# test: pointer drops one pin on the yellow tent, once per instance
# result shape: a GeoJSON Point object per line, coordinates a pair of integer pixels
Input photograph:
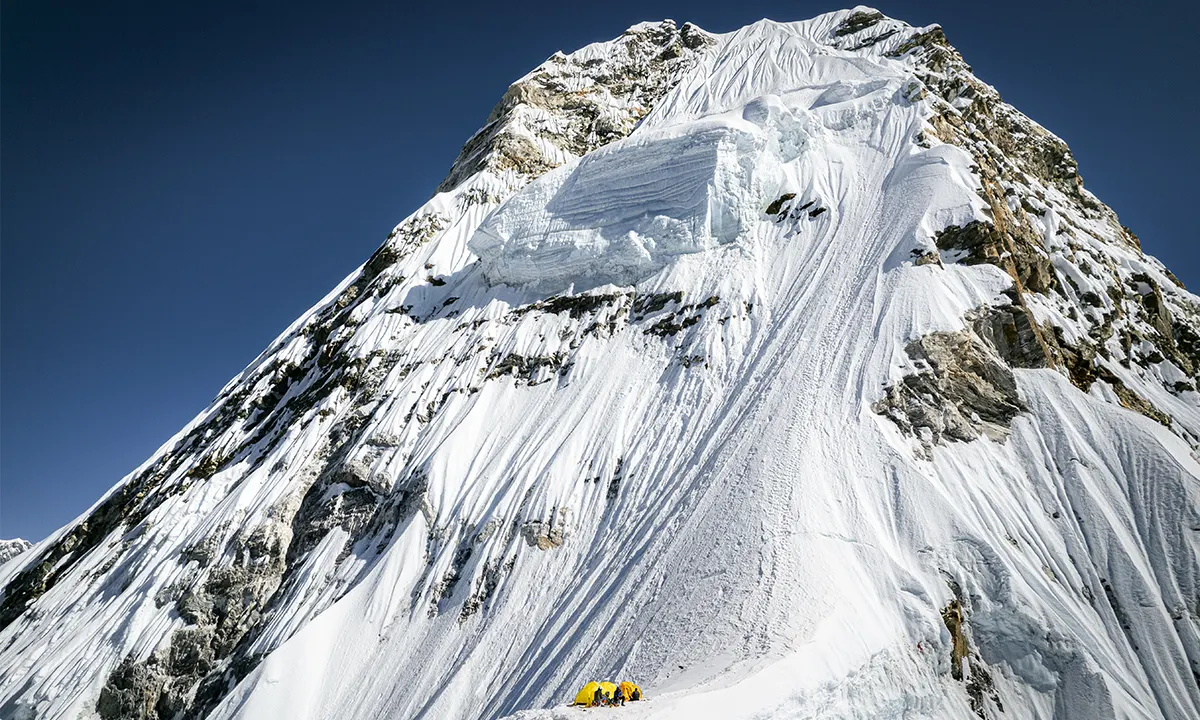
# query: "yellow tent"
{"type": "Point", "coordinates": [588, 694]}
{"type": "Point", "coordinates": [593, 691]}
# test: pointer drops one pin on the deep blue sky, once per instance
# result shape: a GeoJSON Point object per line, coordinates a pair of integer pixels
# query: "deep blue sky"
{"type": "Point", "coordinates": [181, 180]}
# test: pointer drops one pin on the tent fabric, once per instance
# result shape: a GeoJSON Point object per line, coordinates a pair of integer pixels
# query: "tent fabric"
{"type": "Point", "coordinates": [588, 694]}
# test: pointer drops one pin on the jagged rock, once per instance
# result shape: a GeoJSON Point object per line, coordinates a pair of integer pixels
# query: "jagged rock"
{"type": "Point", "coordinates": [931, 39]}
{"type": "Point", "coordinates": [191, 651]}
{"type": "Point", "coordinates": [132, 690]}
{"type": "Point", "coordinates": [1151, 298]}
{"type": "Point", "coordinates": [1187, 340]}
{"type": "Point", "coordinates": [979, 242]}
{"type": "Point", "coordinates": [174, 698]}
{"type": "Point", "coordinates": [952, 616]}
{"type": "Point", "coordinates": [485, 586]}
{"type": "Point", "coordinates": [1013, 334]}
{"type": "Point", "coordinates": [965, 663]}
{"type": "Point", "coordinates": [331, 438]}
{"type": "Point", "coordinates": [576, 306]}
{"type": "Point", "coordinates": [444, 588]}
{"type": "Point", "coordinates": [539, 535]}
{"type": "Point", "coordinates": [9, 549]}
{"type": "Point", "coordinates": [1129, 398]}
{"type": "Point", "coordinates": [618, 92]}
{"type": "Point", "coordinates": [654, 302]}
{"type": "Point", "coordinates": [776, 206]}
{"type": "Point", "coordinates": [931, 257]}
{"type": "Point", "coordinates": [858, 21]}
{"type": "Point", "coordinates": [547, 534]}
{"type": "Point", "coordinates": [196, 607]}
{"type": "Point", "coordinates": [531, 370]}
{"type": "Point", "coordinates": [520, 154]}
{"type": "Point", "coordinates": [963, 390]}
{"type": "Point", "coordinates": [694, 38]}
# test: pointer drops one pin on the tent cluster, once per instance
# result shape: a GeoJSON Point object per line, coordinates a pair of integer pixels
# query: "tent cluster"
{"type": "Point", "coordinates": [607, 693]}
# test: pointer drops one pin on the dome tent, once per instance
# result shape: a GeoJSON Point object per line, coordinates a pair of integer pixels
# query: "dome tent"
{"type": "Point", "coordinates": [607, 690]}
{"type": "Point", "coordinates": [587, 695]}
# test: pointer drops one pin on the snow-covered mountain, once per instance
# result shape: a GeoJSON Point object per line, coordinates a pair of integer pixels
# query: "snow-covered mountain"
{"type": "Point", "coordinates": [9, 549]}
{"type": "Point", "coordinates": [789, 373]}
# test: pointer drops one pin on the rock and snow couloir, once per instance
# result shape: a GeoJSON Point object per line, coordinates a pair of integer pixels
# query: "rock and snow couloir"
{"type": "Point", "coordinates": [788, 371]}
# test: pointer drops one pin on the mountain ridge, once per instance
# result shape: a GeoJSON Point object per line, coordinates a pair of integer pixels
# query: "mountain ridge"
{"type": "Point", "coordinates": [429, 450]}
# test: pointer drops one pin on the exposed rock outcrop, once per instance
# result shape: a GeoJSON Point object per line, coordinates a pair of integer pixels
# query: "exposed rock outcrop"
{"type": "Point", "coordinates": [460, 437]}
{"type": "Point", "coordinates": [961, 391]}
{"type": "Point", "coordinates": [966, 665]}
{"type": "Point", "coordinates": [9, 549]}
{"type": "Point", "coordinates": [550, 533]}
{"type": "Point", "coordinates": [1104, 318]}
{"type": "Point", "coordinates": [571, 105]}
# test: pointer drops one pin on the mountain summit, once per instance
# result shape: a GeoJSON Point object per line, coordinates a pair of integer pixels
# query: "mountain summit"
{"type": "Point", "coordinates": [789, 373]}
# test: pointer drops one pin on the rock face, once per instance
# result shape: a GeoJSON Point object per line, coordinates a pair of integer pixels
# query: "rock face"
{"type": "Point", "coordinates": [9, 549]}
{"type": "Point", "coordinates": [1104, 318]}
{"type": "Point", "coordinates": [573, 104]}
{"type": "Point", "coordinates": [860, 402]}
{"type": "Point", "coordinates": [964, 390]}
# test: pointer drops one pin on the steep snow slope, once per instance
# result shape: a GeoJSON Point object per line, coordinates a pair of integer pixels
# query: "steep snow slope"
{"type": "Point", "coordinates": [827, 391]}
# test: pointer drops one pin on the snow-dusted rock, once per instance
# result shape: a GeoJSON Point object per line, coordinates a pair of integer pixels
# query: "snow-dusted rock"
{"type": "Point", "coordinates": [789, 372]}
{"type": "Point", "coordinates": [9, 549]}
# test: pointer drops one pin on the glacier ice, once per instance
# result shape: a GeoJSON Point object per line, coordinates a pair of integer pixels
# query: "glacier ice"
{"type": "Point", "coordinates": [625, 210]}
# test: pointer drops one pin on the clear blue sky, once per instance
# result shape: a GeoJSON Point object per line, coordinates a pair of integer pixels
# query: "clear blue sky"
{"type": "Point", "coordinates": [181, 180]}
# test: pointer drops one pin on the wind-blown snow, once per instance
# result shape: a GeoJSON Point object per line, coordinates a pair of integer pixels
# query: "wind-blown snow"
{"type": "Point", "coordinates": [626, 210]}
{"type": "Point", "coordinates": [703, 166]}
{"type": "Point", "coordinates": [676, 477]}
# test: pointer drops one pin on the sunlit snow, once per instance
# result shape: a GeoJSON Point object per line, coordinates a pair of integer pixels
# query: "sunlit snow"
{"type": "Point", "coordinates": [676, 478]}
